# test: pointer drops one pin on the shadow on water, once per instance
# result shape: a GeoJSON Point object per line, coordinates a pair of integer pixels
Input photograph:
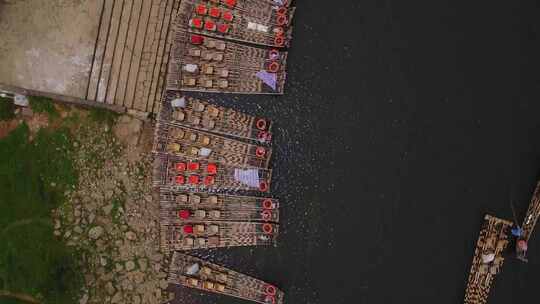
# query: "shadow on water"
{"type": "Point", "coordinates": [401, 126]}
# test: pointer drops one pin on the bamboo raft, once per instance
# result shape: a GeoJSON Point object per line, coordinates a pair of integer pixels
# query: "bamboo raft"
{"type": "Point", "coordinates": [195, 273]}
{"type": "Point", "coordinates": [533, 212]}
{"type": "Point", "coordinates": [207, 234]}
{"type": "Point", "coordinates": [179, 207]}
{"type": "Point", "coordinates": [205, 64]}
{"type": "Point", "coordinates": [493, 239]}
{"type": "Point", "coordinates": [261, 24]}
{"type": "Point", "coordinates": [177, 173]}
{"type": "Point", "coordinates": [185, 142]}
{"type": "Point", "coordinates": [199, 114]}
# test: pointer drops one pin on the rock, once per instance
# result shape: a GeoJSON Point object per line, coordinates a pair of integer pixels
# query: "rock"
{"type": "Point", "coordinates": [119, 267]}
{"type": "Point", "coordinates": [143, 264]}
{"type": "Point", "coordinates": [100, 245]}
{"type": "Point", "coordinates": [136, 299]}
{"type": "Point", "coordinates": [57, 233]}
{"type": "Point", "coordinates": [138, 277]}
{"type": "Point", "coordinates": [78, 230]}
{"type": "Point", "coordinates": [163, 284]}
{"type": "Point", "coordinates": [67, 234]}
{"type": "Point", "coordinates": [138, 114]}
{"type": "Point", "coordinates": [95, 233]}
{"type": "Point", "coordinates": [130, 265]}
{"type": "Point", "coordinates": [127, 284]}
{"type": "Point", "coordinates": [77, 213]}
{"type": "Point", "coordinates": [57, 224]}
{"type": "Point", "coordinates": [107, 209]}
{"type": "Point", "coordinates": [109, 194]}
{"type": "Point", "coordinates": [84, 299]}
{"type": "Point", "coordinates": [103, 261]}
{"type": "Point", "coordinates": [130, 235]}
{"type": "Point", "coordinates": [117, 298]}
{"type": "Point", "coordinates": [91, 218]}
{"type": "Point", "coordinates": [110, 288]}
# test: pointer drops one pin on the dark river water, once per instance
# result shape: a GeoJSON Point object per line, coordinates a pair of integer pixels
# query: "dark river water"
{"type": "Point", "coordinates": [403, 123]}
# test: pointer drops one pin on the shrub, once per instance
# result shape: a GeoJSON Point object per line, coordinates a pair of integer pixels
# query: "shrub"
{"type": "Point", "coordinates": [103, 116]}
{"type": "Point", "coordinates": [7, 109]}
{"type": "Point", "coordinates": [40, 104]}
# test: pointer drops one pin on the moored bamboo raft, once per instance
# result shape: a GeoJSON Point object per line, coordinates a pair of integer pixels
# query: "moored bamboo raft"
{"type": "Point", "coordinates": [231, 67]}
{"type": "Point", "coordinates": [223, 54]}
{"type": "Point", "coordinates": [207, 234]}
{"type": "Point", "coordinates": [533, 212]}
{"type": "Point", "coordinates": [178, 109]}
{"type": "Point", "coordinates": [273, 29]}
{"type": "Point", "coordinates": [227, 11]}
{"type": "Point", "coordinates": [195, 273]}
{"type": "Point", "coordinates": [173, 172]}
{"type": "Point", "coordinates": [195, 144]}
{"type": "Point", "coordinates": [182, 207]}
{"type": "Point", "coordinates": [493, 240]}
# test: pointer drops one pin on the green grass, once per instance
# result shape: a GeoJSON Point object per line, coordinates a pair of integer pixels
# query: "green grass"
{"type": "Point", "coordinates": [103, 116]}
{"type": "Point", "coordinates": [7, 109]}
{"type": "Point", "coordinates": [40, 104]}
{"type": "Point", "coordinates": [33, 179]}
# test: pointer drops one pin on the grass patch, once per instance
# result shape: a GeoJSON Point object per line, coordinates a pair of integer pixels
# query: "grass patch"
{"type": "Point", "coordinates": [33, 179]}
{"type": "Point", "coordinates": [117, 205]}
{"type": "Point", "coordinates": [7, 109]}
{"type": "Point", "coordinates": [40, 104]}
{"type": "Point", "coordinates": [103, 116]}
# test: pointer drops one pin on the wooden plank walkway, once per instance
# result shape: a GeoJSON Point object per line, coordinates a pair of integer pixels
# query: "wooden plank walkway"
{"type": "Point", "coordinates": [131, 53]}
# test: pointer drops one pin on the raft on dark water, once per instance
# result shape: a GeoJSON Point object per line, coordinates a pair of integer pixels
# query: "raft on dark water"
{"type": "Point", "coordinates": [195, 273]}
{"type": "Point", "coordinates": [180, 207]}
{"type": "Point", "coordinates": [194, 234]}
{"type": "Point", "coordinates": [200, 63]}
{"type": "Point", "coordinates": [533, 212]}
{"type": "Point", "coordinates": [257, 22]}
{"type": "Point", "coordinates": [488, 259]}
{"type": "Point", "coordinates": [185, 142]}
{"type": "Point", "coordinates": [178, 173]}
{"type": "Point", "coordinates": [180, 110]}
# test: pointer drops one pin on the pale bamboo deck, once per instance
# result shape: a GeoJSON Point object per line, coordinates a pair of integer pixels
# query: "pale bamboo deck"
{"type": "Point", "coordinates": [493, 236]}
{"type": "Point", "coordinates": [212, 277]}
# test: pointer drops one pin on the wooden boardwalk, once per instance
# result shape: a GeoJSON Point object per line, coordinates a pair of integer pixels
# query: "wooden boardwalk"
{"type": "Point", "coordinates": [131, 53]}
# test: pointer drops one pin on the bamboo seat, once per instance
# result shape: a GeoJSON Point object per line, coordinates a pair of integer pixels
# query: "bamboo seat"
{"type": "Point", "coordinates": [212, 111]}
{"type": "Point", "coordinates": [200, 213]}
{"type": "Point", "coordinates": [215, 214]}
{"type": "Point", "coordinates": [213, 199]}
{"type": "Point", "coordinates": [206, 271]}
{"type": "Point", "coordinates": [179, 115]}
{"type": "Point", "coordinates": [194, 52]}
{"type": "Point", "coordinates": [220, 287]}
{"type": "Point", "coordinates": [194, 199]}
{"type": "Point", "coordinates": [182, 198]}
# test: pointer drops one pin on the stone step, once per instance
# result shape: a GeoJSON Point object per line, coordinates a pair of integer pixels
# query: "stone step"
{"type": "Point", "coordinates": [132, 50]}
